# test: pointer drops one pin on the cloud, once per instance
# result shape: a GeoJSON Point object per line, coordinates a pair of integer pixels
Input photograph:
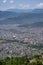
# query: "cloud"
{"type": "Point", "coordinates": [4, 1]}
{"type": "Point", "coordinates": [20, 6]}
{"type": "Point", "coordinates": [11, 1]}
{"type": "Point", "coordinates": [24, 6]}
{"type": "Point", "coordinates": [12, 6]}
{"type": "Point", "coordinates": [40, 5]}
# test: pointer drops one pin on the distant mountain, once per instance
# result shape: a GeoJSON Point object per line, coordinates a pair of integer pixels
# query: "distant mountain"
{"type": "Point", "coordinates": [24, 18]}
{"type": "Point", "coordinates": [37, 11]}
{"type": "Point", "coordinates": [16, 12]}
{"type": "Point", "coordinates": [18, 16]}
{"type": "Point", "coordinates": [26, 10]}
{"type": "Point", "coordinates": [7, 14]}
{"type": "Point", "coordinates": [20, 10]}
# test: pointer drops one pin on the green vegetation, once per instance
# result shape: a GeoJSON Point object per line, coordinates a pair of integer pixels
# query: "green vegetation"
{"type": "Point", "coordinates": [21, 61]}
{"type": "Point", "coordinates": [8, 41]}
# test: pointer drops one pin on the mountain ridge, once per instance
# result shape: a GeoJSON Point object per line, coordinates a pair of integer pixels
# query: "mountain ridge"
{"type": "Point", "coordinates": [26, 18]}
{"type": "Point", "coordinates": [7, 17]}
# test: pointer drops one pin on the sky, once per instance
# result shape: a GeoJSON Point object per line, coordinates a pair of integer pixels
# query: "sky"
{"type": "Point", "coordinates": [20, 4]}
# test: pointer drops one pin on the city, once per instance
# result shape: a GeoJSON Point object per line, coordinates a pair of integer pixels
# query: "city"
{"type": "Point", "coordinates": [19, 41]}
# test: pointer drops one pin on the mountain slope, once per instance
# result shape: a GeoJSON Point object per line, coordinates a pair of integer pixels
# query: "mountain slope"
{"type": "Point", "coordinates": [7, 14]}
{"type": "Point", "coordinates": [37, 11]}
{"type": "Point", "coordinates": [26, 18]}
{"type": "Point", "coordinates": [37, 24]}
